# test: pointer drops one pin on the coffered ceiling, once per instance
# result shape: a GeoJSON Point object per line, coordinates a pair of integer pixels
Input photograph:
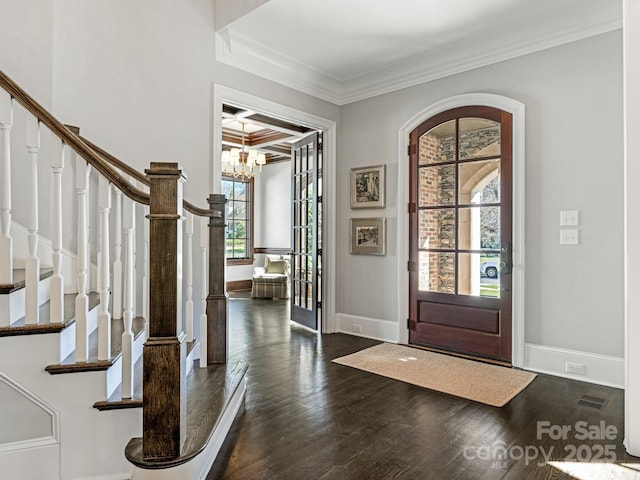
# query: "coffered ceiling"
{"type": "Point", "coordinates": [266, 134]}
{"type": "Point", "coordinates": [348, 50]}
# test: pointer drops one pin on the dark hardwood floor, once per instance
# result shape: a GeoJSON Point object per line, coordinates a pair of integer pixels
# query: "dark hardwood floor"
{"type": "Point", "coordinates": [308, 418]}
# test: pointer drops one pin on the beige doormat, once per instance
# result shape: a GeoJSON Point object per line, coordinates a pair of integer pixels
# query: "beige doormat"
{"type": "Point", "coordinates": [469, 379]}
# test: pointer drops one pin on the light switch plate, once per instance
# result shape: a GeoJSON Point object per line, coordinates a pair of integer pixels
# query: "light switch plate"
{"type": "Point", "coordinates": [569, 237]}
{"type": "Point", "coordinates": [569, 218]}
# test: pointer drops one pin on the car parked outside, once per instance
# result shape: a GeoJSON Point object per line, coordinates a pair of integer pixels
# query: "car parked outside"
{"type": "Point", "coordinates": [489, 269]}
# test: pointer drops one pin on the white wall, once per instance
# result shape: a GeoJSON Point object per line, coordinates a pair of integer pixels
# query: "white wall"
{"type": "Point", "coordinates": [274, 206]}
{"type": "Point", "coordinates": [137, 77]}
{"type": "Point", "coordinates": [573, 100]}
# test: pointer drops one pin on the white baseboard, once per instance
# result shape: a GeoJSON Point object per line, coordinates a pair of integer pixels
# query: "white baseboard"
{"type": "Point", "coordinates": [598, 369]}
{"type": "Point", "coordinates": [374, 328]}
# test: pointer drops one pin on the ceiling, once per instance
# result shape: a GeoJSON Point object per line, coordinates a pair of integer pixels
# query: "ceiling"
{"type": "Point", "coordinates": [264, 133]}
{"type": "Point", "coordinates": [347, 50]}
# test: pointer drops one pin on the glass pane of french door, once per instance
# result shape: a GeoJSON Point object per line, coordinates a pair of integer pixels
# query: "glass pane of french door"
{"type": "Point", "coordinates": [459, 208]}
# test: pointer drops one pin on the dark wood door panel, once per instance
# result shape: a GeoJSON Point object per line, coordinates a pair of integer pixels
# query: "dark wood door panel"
{"type": "Point", "coordinates": [478, 319]}
{"type": "Point", "coordinates": [462, 340]}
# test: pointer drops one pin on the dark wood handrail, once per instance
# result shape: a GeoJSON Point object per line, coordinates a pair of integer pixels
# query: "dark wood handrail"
{"type": "Point", "coordinates": [114, 161]}
{"type": "Point", "coordinates": [98, 158]}
{"type": "Point", "coordinates": [71, 139]}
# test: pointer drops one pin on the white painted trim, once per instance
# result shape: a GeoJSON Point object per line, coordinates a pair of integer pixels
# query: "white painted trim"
{"type": "Point", "coordinates": [516, 109]}
{"type": "Point", "coordinates": [375, 328]}
{"type": "Point", "coordinates": [600, 369]}
{"type": "Point", "coordinates": [631, 93]}
{"type": "Point", "coordinates": [223, 94]}
{"type": "Point", "coordinates": [243, 53]}
{"type": "Point", "coordinates": [53, 439]}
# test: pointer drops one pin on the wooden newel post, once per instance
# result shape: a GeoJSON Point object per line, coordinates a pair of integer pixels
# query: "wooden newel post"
{"type": "Point", "coordinates": [217, 305]}
{"type": "Point", "coordinates": [164, 391]}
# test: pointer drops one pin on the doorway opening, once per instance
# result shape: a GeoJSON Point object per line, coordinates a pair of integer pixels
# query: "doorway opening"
{"type": "Point", "coordinates": [268, 235]}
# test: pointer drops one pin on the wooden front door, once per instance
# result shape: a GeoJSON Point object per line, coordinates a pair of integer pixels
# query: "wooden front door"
{"type": "Point", "coordinates": [306, 226]}
{"type": "Point", "coordinates": [460, 232]}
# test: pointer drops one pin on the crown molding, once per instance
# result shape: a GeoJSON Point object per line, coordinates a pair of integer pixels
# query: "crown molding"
{"type": "Point", "coordinates": [243, 53]}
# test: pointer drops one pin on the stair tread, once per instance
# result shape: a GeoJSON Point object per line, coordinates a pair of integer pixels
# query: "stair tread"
{"type": "Point", "coordinates": [69, 364]}
{"type": "Point", "coordinates": [209, 391]}
{"type": "Point", "coordinates": [45, 325]}
{"type": "Point", "coordinates": [19, 275]}
{"type": "Point", "coordinates": [115, 401]}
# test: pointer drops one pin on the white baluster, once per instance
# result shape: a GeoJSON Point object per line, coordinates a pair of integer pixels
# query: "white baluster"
{"type": "Point", "coordinates": [204, 289]}
{"type": "Point", "coordinates": [32, 264]}
{"type": "Point", "coordinates": [6, 242]}
{"type": "Point", "coordinates": [128, 222]}
{"type": "Point", "coordinates": [189, 274]}
{"type": "Point", "coordinates": [56, 289]}
{"type": "Point", "coordinates": [104, 318]}
{"type": "Point", "coordinates": [117, 262]}
{"type": "Point", "coordinates": [82, 300]}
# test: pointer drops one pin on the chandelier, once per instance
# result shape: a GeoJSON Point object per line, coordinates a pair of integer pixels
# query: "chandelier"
{"type": "Point", "coordinates": [241, 162]}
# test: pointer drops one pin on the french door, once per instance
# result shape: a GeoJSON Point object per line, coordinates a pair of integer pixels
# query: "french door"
{"type": "Point", "coordinates": [306, 227]}
{"type": "Point", "coordinates": [460, 232]}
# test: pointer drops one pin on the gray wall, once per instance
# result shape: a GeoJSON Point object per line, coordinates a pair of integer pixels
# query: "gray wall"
{"type": "Point", "coordinates": [573, 100]}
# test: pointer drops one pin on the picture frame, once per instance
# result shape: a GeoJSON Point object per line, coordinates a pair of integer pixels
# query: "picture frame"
{"type": "Point", "coordinates": [368, 236]}
{"type": "Point", "coordinates": [368, 187]}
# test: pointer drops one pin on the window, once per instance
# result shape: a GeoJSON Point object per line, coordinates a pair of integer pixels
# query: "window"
{"type": "Point", "coordinates": [239, 219]}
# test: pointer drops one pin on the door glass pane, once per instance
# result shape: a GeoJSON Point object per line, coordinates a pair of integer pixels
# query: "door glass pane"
{"type": "Point", "coordinates": [438, 145]}
{"type": "Point", "coordinates": [437, 185]}
{"type": "Point", "coordinates": [479, 228]}
{"type": "Point", "coordinates": [437, 228]}
{"type": "Point", "coordinates": [478, 275]}
{"type": "Point", "coordinates": [437, 272]}
{"type": "Point", "coordinates": [479, 182]}
{"type": "Point", "coordinates": [479, 137]}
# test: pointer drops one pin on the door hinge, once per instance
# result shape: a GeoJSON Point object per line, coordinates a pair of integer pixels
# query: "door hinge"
{"type": "Point", "coordinates": [411, 207]}
{"type": "Point", "coordinates": [318, 304]}
{"type": "Point", "coordinates": [411, 266]}
{"type": "Point", "coordinates": [319, 252]}
{"type": "Point", "coordinates": [408, 323]}
{"type": "Point", "coordinates": [411, 149]}
{"type": "Point", "coordinates": [319, 198]}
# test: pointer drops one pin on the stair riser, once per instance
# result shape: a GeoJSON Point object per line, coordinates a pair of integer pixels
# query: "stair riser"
{"type": "Point", "coordinates": [12, 305]}
{"type": "Point", "coordinates": [68, 335]}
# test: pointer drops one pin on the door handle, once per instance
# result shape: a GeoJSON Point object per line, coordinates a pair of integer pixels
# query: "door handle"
{"type": "Point", "coordinates": [505, 258]}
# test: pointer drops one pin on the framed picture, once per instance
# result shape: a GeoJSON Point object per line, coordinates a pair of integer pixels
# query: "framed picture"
{"type": "Point", "coordinates": [367, 187]}
{"type": "Point", "coordinates": [368, 236]}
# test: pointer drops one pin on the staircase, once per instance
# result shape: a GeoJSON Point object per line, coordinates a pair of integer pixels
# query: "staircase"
{"type": "Point", "coordinates": [94, 304]}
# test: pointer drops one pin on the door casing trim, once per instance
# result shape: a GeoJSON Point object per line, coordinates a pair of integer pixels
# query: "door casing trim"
{"type": "Point", "coordinates": [517, 110]}
{"type": "Point", "coordinates": [222, 94]}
